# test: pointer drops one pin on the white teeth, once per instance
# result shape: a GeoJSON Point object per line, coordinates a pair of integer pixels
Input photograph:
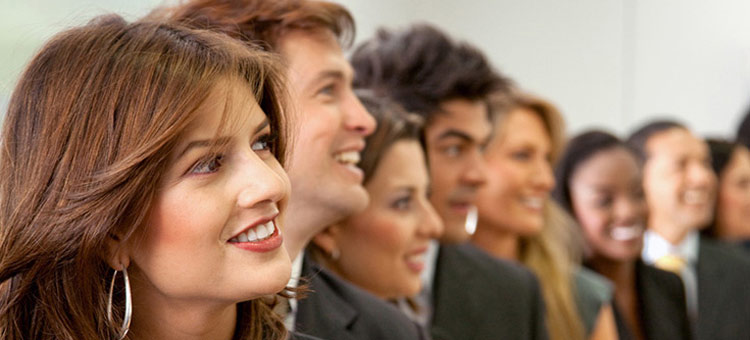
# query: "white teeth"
{"type": "Point", "coordinates": [694, 197]}
{"type": "Point", "coordinates": [252, 235]}
{"type": "Point", "coordinates": [533, 202]}
{"type": "Point", "coordinates": [260, 232]}
{"type": "Point", "coordinates": [348, 157]}
{"type": "Point", "coordinates": [415, 257]}
{"type": "Point", "coordinates": [242, 237]}
{"type": "Point", "coordinates": [626, 233]}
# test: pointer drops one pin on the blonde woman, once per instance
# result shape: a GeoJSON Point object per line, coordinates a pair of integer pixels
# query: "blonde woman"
{"type": "Point", "coordinates": [518, 222]}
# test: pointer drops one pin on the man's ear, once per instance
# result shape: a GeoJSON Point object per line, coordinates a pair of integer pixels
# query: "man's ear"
{"type": "Point", "coordinates": [117, 252]}
{"type": "Point", "coordinates": [327, 240]}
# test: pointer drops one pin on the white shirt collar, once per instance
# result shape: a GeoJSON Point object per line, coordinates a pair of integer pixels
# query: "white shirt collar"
{"type": "Point", "coordinates": [296, 271]}
{"type": "Point", "coordinates": [289, 320]}
{"type": "Point", "coordinates": [430, 261]}
{"type": "Point", "coordinates": [655, 247]}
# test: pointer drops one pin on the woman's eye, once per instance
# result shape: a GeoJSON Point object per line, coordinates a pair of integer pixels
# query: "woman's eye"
{"type": "Point", "coordinates": [402, 203]}
{"type": "Point", "coordinates": [264, 143]}
{"type": "Point", "coordinates": [521, 155]}
{"type": "Point", "coordinates": [604, 202]}
{"type": "Point", "coordinates": [207, 165]}
{"type": "Point", "coordinates": [327, 90]}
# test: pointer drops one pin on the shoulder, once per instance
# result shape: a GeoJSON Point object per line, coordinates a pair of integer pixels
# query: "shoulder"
{"type": "Point", "coordinates": [730, 257]}
{"type": "Point", "coordinates": [658, 277]}
{"type": "Point", "coordinates": [659, 287]}
{"type": "Point", "coordinates": [300, 336]}
{"type": "Point", "coordinates": [477, 261]}
{"type": "Point", "coordinates": [592, 292]}
{"type": "Point", "coordinates": [335, 307]}
{"type": "Point", "coordinates": [591, 284]}
{"type": "Point", "coordinates": [478, 296]}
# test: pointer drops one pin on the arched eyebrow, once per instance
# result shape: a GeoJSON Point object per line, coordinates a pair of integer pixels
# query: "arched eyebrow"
{"type": "Point", "coordinates": [452, 133]}
{"type": "Point", "coordinates": [261, 126]}
{"type": "Point", "coordinates": [204, 143]}
{"type": "Point", "coordinates": [220, 141]}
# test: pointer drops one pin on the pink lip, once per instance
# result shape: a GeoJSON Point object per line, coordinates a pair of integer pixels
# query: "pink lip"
{"type": "Point", "coordinates": [416, 267]}
{"type": "Point", "coordinates": [270, 243]}
{"type": "Point", "coordinates": [356, 146]}
{"type": "Point", "coordinates": [460, 207]}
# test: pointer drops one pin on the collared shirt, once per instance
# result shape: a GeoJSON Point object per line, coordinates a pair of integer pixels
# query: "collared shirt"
{"type": "Point", "coordinates": [289, 319]}
{"type": "Point", "coordinates": [655, 247]}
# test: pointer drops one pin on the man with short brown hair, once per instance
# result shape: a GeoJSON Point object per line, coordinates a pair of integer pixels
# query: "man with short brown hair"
{"type": "Point", "coordinates": [330, 126]}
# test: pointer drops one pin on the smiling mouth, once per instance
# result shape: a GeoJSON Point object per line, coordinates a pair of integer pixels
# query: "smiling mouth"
{"type": "Point", "coordinates": [350, 158]}
{"type": "Point", "coordinates": [695, 197]}
{"type": "Point", "coordinates": [258, 233]}
{"type": "Point", "coordinates": [534, 203]}
{"type": "Point", "coordinates": [626, 233]}
{"type": "Point", "coordinates": [416, 262]}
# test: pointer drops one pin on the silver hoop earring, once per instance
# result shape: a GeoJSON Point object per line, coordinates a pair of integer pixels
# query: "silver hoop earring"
{"type": "Point", "coordinates": [128, 303]}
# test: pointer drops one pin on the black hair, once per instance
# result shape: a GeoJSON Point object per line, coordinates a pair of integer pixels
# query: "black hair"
{"type": "Point", "coordinates": [638, 139]}
{"type": "Point", "coordinates": [743, 131]}
{"type": "Point", "coordinates": [578, 150]}
{"type": "Point", "coordinates": [393, 124]}
{"type": "Point", "coordinates": [721, 153]}
{"type": "Point", "coordinates": [421, 67]}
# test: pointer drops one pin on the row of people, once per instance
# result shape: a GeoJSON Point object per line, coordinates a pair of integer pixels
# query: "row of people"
{"type": "Point", "coordinates": [223, 143]}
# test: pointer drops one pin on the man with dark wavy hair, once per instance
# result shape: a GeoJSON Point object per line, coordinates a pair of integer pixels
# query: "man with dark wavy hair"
{"type": "Point", "coordinates": [467, 293]}
{"type": "Point", "coordinates": [329, 125]}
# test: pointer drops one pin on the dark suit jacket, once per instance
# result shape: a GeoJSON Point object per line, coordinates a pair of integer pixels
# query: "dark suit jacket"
{"type": "Point", "coordinates": [723, 292]}
{"type": "Point", "coordinates": [661, 306]}
{"type": "Point", "coordinates": [300, 336]}
{"type": "Point", "coordinates": [476, 296]}
{"type": "Point", "coordinates": [337, 310]}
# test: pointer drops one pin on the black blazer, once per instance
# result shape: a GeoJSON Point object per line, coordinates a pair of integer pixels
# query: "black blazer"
{"type": "Point", "coordinates": [300, 336]}
{"type": "Point", "coordinates": [476, 296]}
{"type": "Point", "coordinates": [337, 310]}
{"type": "Point", "coordinates": [723, 292]}
{"type": "Point", "coordinates": [661, 306]}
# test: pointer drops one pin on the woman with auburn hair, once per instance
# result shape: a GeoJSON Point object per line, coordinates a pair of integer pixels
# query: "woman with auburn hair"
{"type": "Point", "coordinates": [142, 182]}
{"type": "Point", "coordinates": [382, 248]}
{"type": "Point", "coordinates": [517, 221]}
{"type": "Point", "coordinates": [599, 182]}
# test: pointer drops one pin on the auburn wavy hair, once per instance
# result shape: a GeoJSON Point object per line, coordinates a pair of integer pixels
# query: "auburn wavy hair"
{"type": "Point", "coordinates": [85, 141]}
{"type": "Point", "coordinates": [263, 22]}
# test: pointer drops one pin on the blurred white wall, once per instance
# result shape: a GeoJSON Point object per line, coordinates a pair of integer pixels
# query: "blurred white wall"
{"type": "Point", "coordinates": [26, 24]}
{"type": "Point", "coordinates": [605, 63]}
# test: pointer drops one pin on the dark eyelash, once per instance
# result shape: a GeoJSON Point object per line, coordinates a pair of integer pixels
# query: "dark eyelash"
{"type": "Point", "coordinates": [327, 89]}
{"type": "Point", "coordinates": [206, 161]}
{"type": "Point", "coordinates": [271, 140]}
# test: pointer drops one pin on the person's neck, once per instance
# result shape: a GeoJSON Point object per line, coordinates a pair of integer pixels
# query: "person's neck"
{"type": "Point", "coordinates": [155, 317]}
{"type": "Point", "coordinates": [300, 225]}
{"type": "Point", "coordinates": [668, 229]}
{"type": "Point", "coordinates": [621, 273]}
{"type": "Point", "coordinates": [498, 243]}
